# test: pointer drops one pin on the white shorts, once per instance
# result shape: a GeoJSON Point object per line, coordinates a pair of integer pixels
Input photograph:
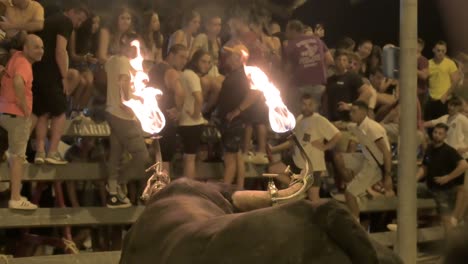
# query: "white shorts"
{"type": "Point", "coordinates": [366, 173]}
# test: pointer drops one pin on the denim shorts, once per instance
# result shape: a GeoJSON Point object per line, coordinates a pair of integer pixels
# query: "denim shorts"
{"type": "Point", "coordinates": [445, 199]}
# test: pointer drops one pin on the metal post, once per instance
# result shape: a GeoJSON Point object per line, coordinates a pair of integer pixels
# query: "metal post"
{"type": "Point", "coordinates": [407, 207]}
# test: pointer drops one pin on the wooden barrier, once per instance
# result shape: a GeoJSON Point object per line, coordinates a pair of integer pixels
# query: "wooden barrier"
{"type": "Point", "coordinates": [428, 234]}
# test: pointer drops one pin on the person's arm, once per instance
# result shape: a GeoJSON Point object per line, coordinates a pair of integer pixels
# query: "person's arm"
{"type": "Point", "coordinates": [18, 85]}
{"type": "Point", "coordinates": [251, 97]}
{"type": "Point", "coordinates": [72, 49]}
{"type": "Point", "coordinates": [365, 93]}
{"type": "Point", "coordinates": [462, 166]}
{"type": "Point", "coordinates": [103, 46]}
{"type": "Point", "coordinates": [432, 123]}
{"type": "Point", "coordinates": [423, 74]}
{"type": "Point", "coordinates": [421, 173]}
{"type": "Point", "coordinates": [172, 80]}
{"type": "Point", "coordinates": [387, 159]}
{"type": "Point", "coordinates": [329, 58]}
{"type": "Point", "coordinates": [125, 86]}
{"type": "Point", "coordinates": [36, 23]}
{"type": "Point", "coordinates": [178, 38]}
{"type": "Point", "coordinates": [454, 80]}
{"type": "Point", "coordinates": [61, 57]}
{"type": "Point", "coordinates": [282, 147]}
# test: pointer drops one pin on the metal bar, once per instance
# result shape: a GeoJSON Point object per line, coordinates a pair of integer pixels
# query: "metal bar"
{"type": "Point", "coordinates": [46, 217]}
{"type": "Point", "coordinates": [406, 234]}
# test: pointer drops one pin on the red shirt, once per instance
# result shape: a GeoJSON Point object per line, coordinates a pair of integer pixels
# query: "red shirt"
{"type": "Point", "coordinates": [17, 65]}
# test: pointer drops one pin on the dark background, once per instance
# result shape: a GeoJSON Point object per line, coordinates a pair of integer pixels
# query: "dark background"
{"type": "Point", "coordinates": [377, 20]}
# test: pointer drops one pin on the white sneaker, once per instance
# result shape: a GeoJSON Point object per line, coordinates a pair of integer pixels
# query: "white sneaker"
{"type": "Point", "coordinates": [22, 204]}
{"type": "Point", "coordinates": [392, 227]}
{"type": "Point", "coordinates": [258, 158]}
{"type": "Point", "coordinates": [55, 159]}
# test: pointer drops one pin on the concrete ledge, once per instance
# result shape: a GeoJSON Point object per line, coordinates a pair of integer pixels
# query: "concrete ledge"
{"type": "Point", "coordinates": [46, 217]}
{"type": "Point", "coordinates": [428, 234]}
{"type": "Point", "coordinates": [111, 257]}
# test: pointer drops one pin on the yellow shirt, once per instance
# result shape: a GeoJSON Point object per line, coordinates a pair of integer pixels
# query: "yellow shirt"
{"type": "Point", "coordinates": [439, 77]}
{"type": "Point", "coordinates": [14, 15]}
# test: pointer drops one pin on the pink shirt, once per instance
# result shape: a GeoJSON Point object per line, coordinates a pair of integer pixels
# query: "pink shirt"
{"type": "Point", "coordinates": [17, 65]}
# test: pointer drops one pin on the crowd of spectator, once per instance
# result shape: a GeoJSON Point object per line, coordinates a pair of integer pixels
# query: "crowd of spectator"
{"type": "Point", "coordinates": [75, 64]}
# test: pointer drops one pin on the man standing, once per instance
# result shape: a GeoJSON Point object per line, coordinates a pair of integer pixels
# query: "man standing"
{"type": "Point", "coordinates": [51, 81]}
{"type": "Point", "coordinates": [166, 76]}
{"type": "Point", "coordinates": [368, 166]}
{"type": "Point", "coordinates": [15, 107]}
{"type": "Point", "coordinates": [443, 76]}
{"type": "Point", "coordinates": [126, 134]}
{"type": "Point", "coordinates": [307, 59]}
{"type": "Point", "coordinates": [234, 98]}
{"type": "Point", "coordinates": [443, 168]}
{"type": "Point", "coordinates": [312, 130]}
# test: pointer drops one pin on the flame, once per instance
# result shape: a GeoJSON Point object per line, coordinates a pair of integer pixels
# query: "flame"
{"type": "Point", "coordinates": [144, 102]}
{"type": "Point", "coordinates": [281, 120]}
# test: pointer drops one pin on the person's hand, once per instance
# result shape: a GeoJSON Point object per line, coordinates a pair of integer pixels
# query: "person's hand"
{"type": "Point", "coordinates": [388, 185]}
{"type": "Point", "coordinates": [233, 114]}
{"type": "Point", "coordinates": [91, 59]}
{"type": "Point", "coordinates": [66, 86]}
{"type": "Point", "coordinates": [173, 114]}
{"type": "Point", "coordinates": [193, 115]}
{"type": "Point", "coordinates": [342, 106]}
{"type": "Point", "coordinates": [444, 98]}
{"type": "Point", "coordinates": [462, 150]}
{"type": "Point", "coordinates": [442, 180]}
{"type": "Point", "coordinates": [6, 25]}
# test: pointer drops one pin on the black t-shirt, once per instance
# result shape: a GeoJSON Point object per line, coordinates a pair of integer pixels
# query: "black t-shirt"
{"type": "Point", "coordinates": [341, 88]}
{"type": "Point", "coordinates": [57, 24]}
{"type": "Point", "coordinates": [439, 162]}
{"type": "Point", "coordinates": [235, 87]}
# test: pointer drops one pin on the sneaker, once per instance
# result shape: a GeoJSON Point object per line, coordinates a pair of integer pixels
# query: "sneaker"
{"type": "Point", "coordinates": [259, 158]}
{"type": "Point", "coordinates": [114, 202]}
{"type": "Point", "coordinates": [21, 204]}
{"type": "Point", "coordinates": [40, 158]}
{"type": "Point", "coordinates": [55, 159]}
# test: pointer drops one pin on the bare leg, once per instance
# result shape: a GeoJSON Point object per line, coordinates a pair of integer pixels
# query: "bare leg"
{"type": "Point", "coordinates": [248, 132]}
{"type": "Point", "coordinates": [460, 204]}
{"type": "Point", "coordinates": [240, 166]}
{"type": "Point", "coordinates": [16, 172]}
{"type": "Point", "coordinates": [71, 191]}
{"type": "Point", "coordinates": [189, 165]}
{"type": "Point", "coordinates": [73, 80]}
{"type": "Point", "coordinates": [56, 131]}
{"type": "Point", "coordinates": [229, 167]}
{"type": "Point", "coordinates": [343, 173]}
{"type": "Point", "coordinates": [41, 132]}
{"type": "Point", "coordinates": [351, 202]}
{"type": "Point", "coordinates": [261, 138]}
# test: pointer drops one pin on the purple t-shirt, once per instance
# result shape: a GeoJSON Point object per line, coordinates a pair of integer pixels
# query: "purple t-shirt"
{"type": "Point", "coordinates": [306, 54]}
{"type": "Point", "coordinates": [423, 63]}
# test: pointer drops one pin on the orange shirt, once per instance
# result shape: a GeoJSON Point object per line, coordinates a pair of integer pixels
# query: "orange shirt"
{"type": "Point", "coordinates": [17, 65]}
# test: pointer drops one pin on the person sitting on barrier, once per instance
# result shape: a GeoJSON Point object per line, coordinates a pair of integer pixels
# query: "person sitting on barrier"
{"type": "Point", "coordinates": [16, 118]}
{"type": "Point", "coordinates": [312, 130]}
{"type": "Point", "coordinates": [457, 138]}
{"type": "Point", "coordinates": [363, 170]}
{"type": "Point", "coordinates": [126, 134]}
{"type": "Point", "coordinates": [443, 167]}
{"type": "Point", "coordinates": [20, 17]}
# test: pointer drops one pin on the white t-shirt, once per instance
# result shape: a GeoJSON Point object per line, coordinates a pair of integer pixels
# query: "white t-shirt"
{"type": "Point", "coordinates": [367, 133]}
{"type": "Point", "coordinates": [457, 135]}
{"type": "Point", "coordinates": [309, 129]}
{"type": "Point", "coordinates": [115, 66]}
{"type": "Point", "coordinates": [191, 84]}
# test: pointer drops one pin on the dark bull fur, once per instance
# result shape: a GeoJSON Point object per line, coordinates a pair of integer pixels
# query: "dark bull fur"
{"type": "Point", "coordinates": [190, 222]}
